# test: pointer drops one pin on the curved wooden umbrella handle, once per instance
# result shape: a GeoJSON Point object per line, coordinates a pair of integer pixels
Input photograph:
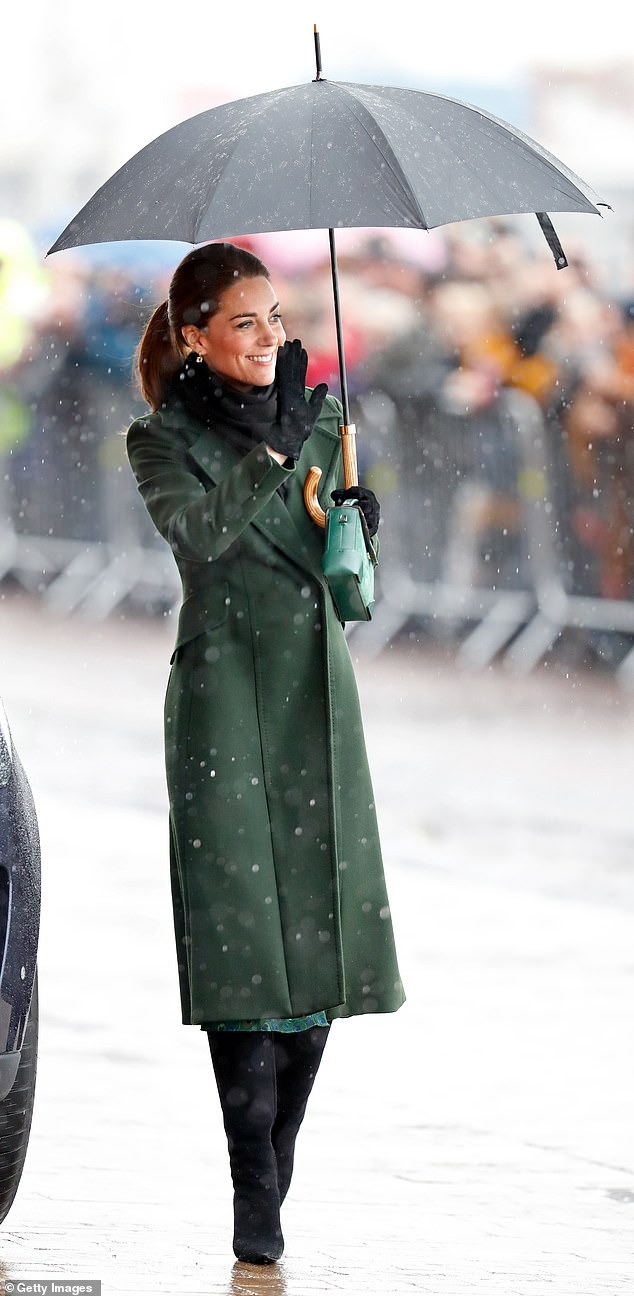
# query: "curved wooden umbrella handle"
{"type": "Point", "coordinates": [313, 506]}
{"type": "Point", "coordinates": [350, 474]}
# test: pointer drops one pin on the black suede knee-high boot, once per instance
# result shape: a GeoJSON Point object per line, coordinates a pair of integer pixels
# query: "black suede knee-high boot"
{"type": "Point", "coordinates": [297, 1059]}
{"type": "Point", "coordinates": [244, 1066]}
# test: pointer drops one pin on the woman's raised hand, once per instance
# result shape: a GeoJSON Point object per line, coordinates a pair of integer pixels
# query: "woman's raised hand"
{"type": "Point", "coordinates": [296, 417]}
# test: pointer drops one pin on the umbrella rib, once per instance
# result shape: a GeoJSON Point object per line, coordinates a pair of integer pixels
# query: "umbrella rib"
{"type": "Point", "coordinates": [312, 161]}
{"type": "Point", "coordinates": [380, 138]}
{"type": "Point", "coordinates": [537, 152]}
{"type": "Point", "coordinates": [206, 205]}
{"type": "Point", "coordinates": [210, 193]}
{"type": "Point", "coordinates": [534, 151]}
{"type": "Point", "coordinates": [400, 170]}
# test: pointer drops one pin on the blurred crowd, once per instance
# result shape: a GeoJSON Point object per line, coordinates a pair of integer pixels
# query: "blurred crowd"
{"type": "Point", "coordinates": [439, 328]}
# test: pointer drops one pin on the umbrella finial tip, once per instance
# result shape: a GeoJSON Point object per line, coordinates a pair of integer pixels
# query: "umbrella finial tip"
{"type": "Point", "coordinates": [317, 51]}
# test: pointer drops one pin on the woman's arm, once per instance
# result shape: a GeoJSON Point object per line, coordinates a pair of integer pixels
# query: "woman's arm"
{"type": "Point", "coordinates": [199, 524]}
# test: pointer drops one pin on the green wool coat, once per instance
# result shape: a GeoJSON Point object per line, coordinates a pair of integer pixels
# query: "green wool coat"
{"type": "Point", "coordinates": [280, 907]}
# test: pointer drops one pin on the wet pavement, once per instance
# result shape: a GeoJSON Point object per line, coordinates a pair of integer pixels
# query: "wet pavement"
{"type": "Point", "coordinates": [480, 1140]}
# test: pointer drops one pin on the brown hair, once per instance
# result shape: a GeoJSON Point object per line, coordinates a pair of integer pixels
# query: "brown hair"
{"type": "Point", "coordinates": [195, 293]}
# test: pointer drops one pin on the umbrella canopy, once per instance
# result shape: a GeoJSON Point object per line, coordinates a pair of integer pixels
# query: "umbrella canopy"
{"type": "Point", "coordinates": [321, 156]}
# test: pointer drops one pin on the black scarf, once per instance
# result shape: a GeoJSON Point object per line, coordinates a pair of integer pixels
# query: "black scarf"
{"type": "Point", "coordinates": [244, 419]}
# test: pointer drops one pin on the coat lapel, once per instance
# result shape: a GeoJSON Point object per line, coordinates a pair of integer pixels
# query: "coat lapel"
{"type": "Point", "coordinates": [288, 528]}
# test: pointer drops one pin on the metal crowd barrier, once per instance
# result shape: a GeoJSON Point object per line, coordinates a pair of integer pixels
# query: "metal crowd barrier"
{"type": "Point", "coordinates": [134, 565]}
{"type": "Point", "coordinates": [475, 538]}
{"type": "Point", "coordinates": [73, 530]}
{"type": "Point", "coordinates": [558, 606]}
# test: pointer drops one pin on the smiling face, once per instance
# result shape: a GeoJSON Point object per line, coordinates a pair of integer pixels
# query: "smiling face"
{"type": "Point", "coordinates": [240, 341]}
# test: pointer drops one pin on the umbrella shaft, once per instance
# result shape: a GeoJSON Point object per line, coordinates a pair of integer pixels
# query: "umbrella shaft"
{"type": "Point", "coordinates": [339, 328]}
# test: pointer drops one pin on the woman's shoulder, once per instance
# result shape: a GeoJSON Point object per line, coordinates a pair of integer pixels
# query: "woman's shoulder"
{"type": "Point", "coordinates": [160, 424]}
{"type": "Point", "coordinates": [144, 423]}
{"type": "Point", "coordinates": [145, 431]}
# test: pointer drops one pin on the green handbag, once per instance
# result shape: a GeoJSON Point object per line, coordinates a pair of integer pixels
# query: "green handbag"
{"type": "Point", "coordinates": [349, 556]}
{"type": "Point", "coordinates": [348, 562]}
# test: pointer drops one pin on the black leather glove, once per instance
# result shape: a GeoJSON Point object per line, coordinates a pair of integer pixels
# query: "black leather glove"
{"type": "Point", "coordinates": [367, 501]}
{"type": "Point", "coordinates": [296, 417]}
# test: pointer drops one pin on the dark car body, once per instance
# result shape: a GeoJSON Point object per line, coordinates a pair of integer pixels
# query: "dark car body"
{"type": "Point", "coordinates": [19, 932]}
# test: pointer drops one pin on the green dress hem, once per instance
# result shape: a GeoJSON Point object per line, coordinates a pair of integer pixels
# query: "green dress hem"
{"type": "Point", "coordinates": [282, 1025]}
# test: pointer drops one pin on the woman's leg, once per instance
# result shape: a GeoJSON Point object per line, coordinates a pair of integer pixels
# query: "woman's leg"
{"type": "Point", "coordinates": [297, 1059]}
{"type": "Point", "coordinates": [244, 1066]}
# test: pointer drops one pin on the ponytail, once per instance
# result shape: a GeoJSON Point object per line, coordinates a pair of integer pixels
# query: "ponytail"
{"type": "Point", "coordinates": [158, 357]}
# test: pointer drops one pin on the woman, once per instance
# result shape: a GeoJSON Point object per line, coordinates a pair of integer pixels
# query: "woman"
{"type": "Point", "coordinates": [281, 916]}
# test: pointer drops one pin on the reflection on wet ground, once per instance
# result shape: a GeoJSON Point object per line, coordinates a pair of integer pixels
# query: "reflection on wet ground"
{"type": "Point", "coordinates": [258, 1280]}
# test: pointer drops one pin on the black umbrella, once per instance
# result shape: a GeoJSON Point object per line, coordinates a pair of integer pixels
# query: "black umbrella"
{"type": "Point", "coordinates": [326, 155]}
